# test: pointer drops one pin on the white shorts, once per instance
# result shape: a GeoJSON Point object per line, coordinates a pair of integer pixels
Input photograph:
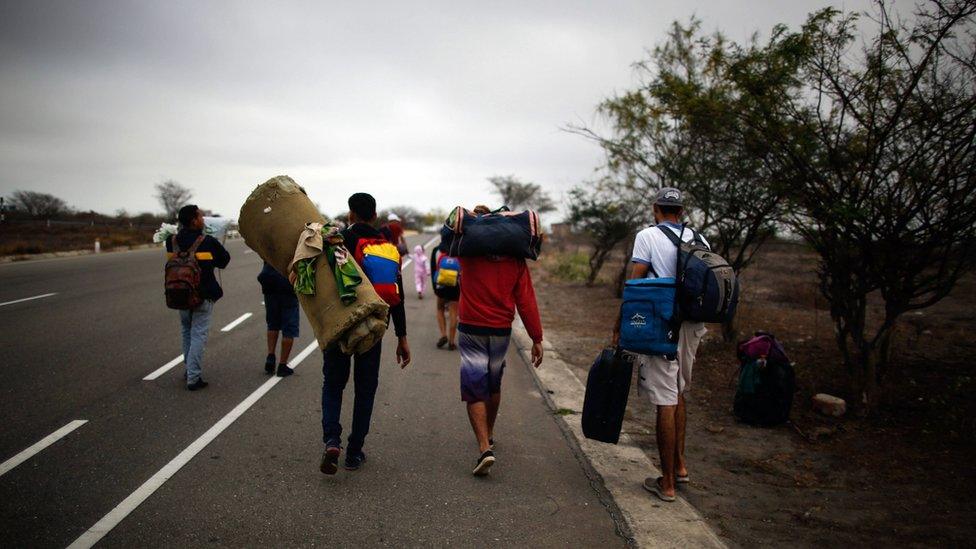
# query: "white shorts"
{"type": "Point", "coordinates": [662, 380]}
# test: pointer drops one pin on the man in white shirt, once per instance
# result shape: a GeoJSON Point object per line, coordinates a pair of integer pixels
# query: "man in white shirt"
{"type": "Point", "coordinates": [664, 379]}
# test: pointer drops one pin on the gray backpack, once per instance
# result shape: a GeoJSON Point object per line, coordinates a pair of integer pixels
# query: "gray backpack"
{"type": "Point", "coordinates": [708, 288]}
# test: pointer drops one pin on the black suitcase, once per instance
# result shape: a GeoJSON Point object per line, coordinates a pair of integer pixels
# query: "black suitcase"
{"type": "Point", "coordinates": [607, 389]}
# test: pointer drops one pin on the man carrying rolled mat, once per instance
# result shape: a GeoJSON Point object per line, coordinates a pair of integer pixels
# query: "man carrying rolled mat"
{"type": "Point", "coordinates": [365, 366]}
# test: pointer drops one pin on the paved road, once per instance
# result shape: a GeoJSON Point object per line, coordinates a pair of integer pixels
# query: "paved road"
{"type": "Point", "coordinates": [82, 354]}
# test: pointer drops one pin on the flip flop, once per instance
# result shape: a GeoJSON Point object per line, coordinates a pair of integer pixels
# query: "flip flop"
{"type": "Point", "coordinates": [682, 480]}
{"type": "Point", "coordinates": [654, 486]}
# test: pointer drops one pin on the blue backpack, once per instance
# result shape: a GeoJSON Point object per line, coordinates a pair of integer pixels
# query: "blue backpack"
{"type": "Point", "coordinates": [708, 288]}
{"type": "Point", "coordinates": [647, 317]}
{"type": "Point", "coordinates": [448, 272]}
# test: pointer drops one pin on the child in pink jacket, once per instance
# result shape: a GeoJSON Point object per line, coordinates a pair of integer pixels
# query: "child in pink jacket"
{"type": "Point", "coordinates": [420, 269]}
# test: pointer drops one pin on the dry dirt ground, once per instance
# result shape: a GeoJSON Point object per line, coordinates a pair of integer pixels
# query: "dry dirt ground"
{"type": "Point", "coordinates": [902, 475]}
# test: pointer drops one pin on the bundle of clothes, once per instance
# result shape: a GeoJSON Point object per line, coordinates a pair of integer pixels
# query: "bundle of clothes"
{"type": "Point", "coordinates": [213, 226]}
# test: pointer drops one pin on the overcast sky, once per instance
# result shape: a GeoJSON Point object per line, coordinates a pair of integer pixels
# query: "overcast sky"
{"type": "Point", "coordinates": [415, 102]}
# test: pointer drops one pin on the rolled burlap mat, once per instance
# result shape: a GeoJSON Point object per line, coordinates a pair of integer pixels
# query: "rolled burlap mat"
{"type": "Point", "coordinates": [271, 221]}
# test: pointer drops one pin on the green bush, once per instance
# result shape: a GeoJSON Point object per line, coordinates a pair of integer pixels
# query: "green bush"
{"type": "Point", "coordinates": [571, 267]}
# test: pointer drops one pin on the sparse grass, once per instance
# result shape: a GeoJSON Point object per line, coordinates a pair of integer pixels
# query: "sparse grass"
{"type": "Point", "coordinates": [569, 266]}
{"type": "Point", "coordinates": [564, 412]}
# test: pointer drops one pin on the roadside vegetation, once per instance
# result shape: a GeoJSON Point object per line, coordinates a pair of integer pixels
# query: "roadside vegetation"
{"type": "Point", "coordinates": [855, 133]}
{"type": "Point", "coordinates": [834, 166]}
{"type": "Point", "coordinates": [798, 484]}
{"type": "Point", "coordinates": [37, 223]}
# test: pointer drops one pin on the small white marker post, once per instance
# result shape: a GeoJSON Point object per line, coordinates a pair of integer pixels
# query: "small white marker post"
{"type": "Point", "coordinates": [98, 246]}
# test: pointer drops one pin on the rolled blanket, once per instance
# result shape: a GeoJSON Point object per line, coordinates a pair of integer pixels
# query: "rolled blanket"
{"type": "Point", "coordinates": [271, 221]}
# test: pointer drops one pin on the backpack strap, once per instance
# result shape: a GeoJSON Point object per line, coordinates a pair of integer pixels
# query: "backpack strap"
{"type": "Point", "coordinates": [675, 239]}
{"type": "Point", "coordinates": [175, 246]}
{"type": "Point", "coordinates": [676, 319]}
{"type": "Point", "coordinates": [196, 244]}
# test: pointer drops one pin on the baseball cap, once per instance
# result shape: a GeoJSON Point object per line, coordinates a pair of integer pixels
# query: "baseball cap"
{"type": "Point", "coordinates": [393, 217]}
{"type": "Point", "coordinates": [669, 196]}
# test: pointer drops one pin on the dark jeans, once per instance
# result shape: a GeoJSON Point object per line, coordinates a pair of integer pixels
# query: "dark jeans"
{"type": "Point", "coordinates": [335, 374]}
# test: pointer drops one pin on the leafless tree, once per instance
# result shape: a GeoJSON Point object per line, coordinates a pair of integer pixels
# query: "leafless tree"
{"type": "Point", "coordinates": [172, 196]}
{"type": "Point", "coordinates": [410, 217]}
{"type": "Point", "coordinates": [519, 195]}
{"type": "Point", "coordinates": [39, 204]}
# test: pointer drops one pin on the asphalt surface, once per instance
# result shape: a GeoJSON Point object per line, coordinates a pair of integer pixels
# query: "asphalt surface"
{"type": "Point", "coordinates": [83, 354]}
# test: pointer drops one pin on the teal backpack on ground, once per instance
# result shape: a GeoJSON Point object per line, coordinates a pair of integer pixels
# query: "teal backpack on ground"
{"type": "Point", "coordinates": [647, 317]}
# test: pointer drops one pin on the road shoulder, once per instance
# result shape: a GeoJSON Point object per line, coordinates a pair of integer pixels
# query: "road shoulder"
{"type": "Point", "coordinates": [622, 467]}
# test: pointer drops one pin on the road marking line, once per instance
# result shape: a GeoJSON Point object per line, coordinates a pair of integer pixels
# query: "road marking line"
{"type": "Point", "coordinates": [431, 241]}
{"type": "Point", "coordinates": [40, 445]}
{"type": "Point", "coordinates": [129, 504]}
{"type": "Point", "coordinates": [234, 324]}
{"type": "Point", "coordinates": [27, 299]}
{"type": "Point", "coordinates": [165, 368]}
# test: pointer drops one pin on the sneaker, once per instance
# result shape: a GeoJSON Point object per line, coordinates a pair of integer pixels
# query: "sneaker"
{"type": "Point", "coordinates": [284, 370]}
{"type": "Point", "coordinates": [269, 364]}
{"type": "Point", "coordinates": [442, 342]}
{"type": "Point", "coordinates": [354, 460]}
{"type": "Point", "coordinates": [485, 462]}
{"type": "Point", "coordinates": [330, 460]}
{"type": "Point", "coordinates": [198, 384]}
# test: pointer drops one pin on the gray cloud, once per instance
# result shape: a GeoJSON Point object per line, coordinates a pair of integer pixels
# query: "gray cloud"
{"type": "Point", "coordinates": [417, 104]}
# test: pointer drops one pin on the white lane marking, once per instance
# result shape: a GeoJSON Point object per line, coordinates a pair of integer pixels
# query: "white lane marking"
{"type": "Point", "coordinates": [129, 504]}
{"type": "Point", "coordinates": [234, 324]}
{"type": "Point", "coordinates": [410, 259]}
{"type": "Point", "coordinates": [40, 445]}
{"type": "Point", "coordinates": [165, 368]}
{"type": "Point", "coordinates": [27, 299]}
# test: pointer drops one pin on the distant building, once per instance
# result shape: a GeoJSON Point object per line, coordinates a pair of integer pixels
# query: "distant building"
{"type": "Point", "coordinates": [560, 231]}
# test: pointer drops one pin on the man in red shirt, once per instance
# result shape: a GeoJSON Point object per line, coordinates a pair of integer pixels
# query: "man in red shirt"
{"type": "Point", "coordinates": [493, 288]}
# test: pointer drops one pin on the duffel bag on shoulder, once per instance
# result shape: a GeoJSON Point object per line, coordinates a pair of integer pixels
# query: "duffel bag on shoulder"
{"type": "Point", "coordinates": [504, 233]}
{"type": "Point", "coordinates": [647, 317]}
